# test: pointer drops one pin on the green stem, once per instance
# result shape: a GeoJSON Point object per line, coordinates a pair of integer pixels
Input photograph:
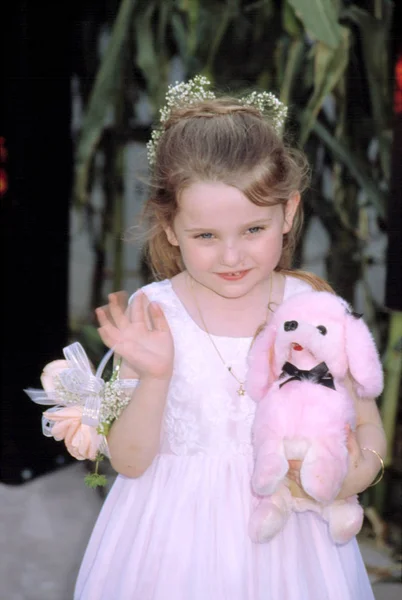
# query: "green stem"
{"type": "Point", "coordinates": [118, 224]}
{"type": "Point", "coordinates": [389, 404]}
{"type": "Point", "coordinates": [292, 70]}
{"type": "Point", "coordinates": [393, 370]}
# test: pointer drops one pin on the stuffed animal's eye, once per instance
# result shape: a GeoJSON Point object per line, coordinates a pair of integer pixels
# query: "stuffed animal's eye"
{"type": "Point", "coordinates": [322, 329]}
{"type": "Point", "coordinates": [290, 325]}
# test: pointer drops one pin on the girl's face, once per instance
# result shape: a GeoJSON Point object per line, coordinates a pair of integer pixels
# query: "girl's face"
{"type": "Point", "coordinates": [228, 244]}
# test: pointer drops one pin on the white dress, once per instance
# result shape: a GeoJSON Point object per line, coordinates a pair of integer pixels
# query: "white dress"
{"type": "Point", "coordinates": [180, 531]}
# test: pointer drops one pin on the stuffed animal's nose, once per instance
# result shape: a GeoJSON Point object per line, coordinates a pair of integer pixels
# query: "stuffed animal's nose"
{"type": "Point", "coordinates": [290, 325]}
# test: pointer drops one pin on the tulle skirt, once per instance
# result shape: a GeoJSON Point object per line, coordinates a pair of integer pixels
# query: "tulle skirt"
{"type": "Point", "coordinates": [180, 532]}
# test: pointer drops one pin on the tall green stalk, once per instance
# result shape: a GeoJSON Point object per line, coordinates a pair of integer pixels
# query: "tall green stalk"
{"type": "Point", "coordinates": [390, 398]}
{"type": "Point", "coordinates": [393, 371]}
{"type": "Point", "coordinates": [118, 221]}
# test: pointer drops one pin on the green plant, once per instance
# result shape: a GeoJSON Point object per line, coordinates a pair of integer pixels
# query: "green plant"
{"type": "Point", "coordinates": [329, 60]}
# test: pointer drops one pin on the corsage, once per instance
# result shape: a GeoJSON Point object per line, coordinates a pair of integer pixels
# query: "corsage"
{"type": "Point", "coordinates": [84, 406]}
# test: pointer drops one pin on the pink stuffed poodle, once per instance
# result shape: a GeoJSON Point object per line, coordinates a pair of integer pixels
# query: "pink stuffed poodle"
{"type": "Point", "coordinates": [297, 370]}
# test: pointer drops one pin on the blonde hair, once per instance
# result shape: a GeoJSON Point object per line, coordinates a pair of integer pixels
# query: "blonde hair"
{"type": "Point", "coordinates": [224, 141]}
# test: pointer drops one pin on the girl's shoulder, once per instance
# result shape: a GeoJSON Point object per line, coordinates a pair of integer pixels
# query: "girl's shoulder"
{"type": "Point", "coordinates": [294, 285]}
{"type": "Point", "coordinates": [303, 281]}
{"type": "Point", "coordinates": [155, 291]}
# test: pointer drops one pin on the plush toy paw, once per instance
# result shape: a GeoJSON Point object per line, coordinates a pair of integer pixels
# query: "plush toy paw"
{"type": "Point", "coordinates": [345, 519]}
{"type": "Point", "coordinates": [322, 478]}
{"type": "Point", "coordinates": [269, 473]}
{"type": "Point", "coordinates": [266, 521]}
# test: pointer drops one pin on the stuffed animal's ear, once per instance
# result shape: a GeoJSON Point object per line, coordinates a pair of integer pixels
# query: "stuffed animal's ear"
{"type": "Point", "coordinates": [259, 374]}
{"type": "Point", "coordinates": [364, 361]}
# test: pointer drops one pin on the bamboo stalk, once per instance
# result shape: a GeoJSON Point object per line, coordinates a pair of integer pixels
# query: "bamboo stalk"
{"type": "Point", "coordinates": [390, 397]}
{"type": "Point", "coordinates": [118, 221]}
{"type": "Point", "coordinates": [393, 370]}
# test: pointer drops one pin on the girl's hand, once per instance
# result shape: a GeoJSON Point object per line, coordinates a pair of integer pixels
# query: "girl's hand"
{"type": "Point", "coordinates": [294, 471]}
{"type": "Point", "coordinates": [359, 475]}
{"type": "Point", "coordinates": [293, 475]}
{"type": "Point", "coordinates": [144, 341]}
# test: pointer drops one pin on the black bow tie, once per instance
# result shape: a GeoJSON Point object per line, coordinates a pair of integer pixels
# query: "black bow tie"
{"type": "Point", "coordinates": [319, 374]}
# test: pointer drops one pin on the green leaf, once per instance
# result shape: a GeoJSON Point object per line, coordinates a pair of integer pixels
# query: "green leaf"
{"type": "Point", "coordinates": [295, 55]}
{"type": "Point", "coordinates": [290, 22]}
{"type": "Point", "coordinates": [103, 429]}
{"type": "Point", "coordinates": [94, 480]}
{"type": "Point", "coordinates": [355, 167]}
{"type": "Point", "coordinates": [391, 394]}
{"type": "Point", "coordinates": [180, 34]}
{"type": "Point", "coordinates": [192, 8]}
{"type": "Point", "coordinates": [228, 12]}
{"type": "Point", "coordinates": [103, 95]}
{"type": "Point", "coordinates": [329, 67]}
{"type": "Point", "coordinates": [375, 38]}
{"type": "Point", "coordinates": [320, 20]}
{"type": "Point", "coordinates": [165, 10]}
{"type": "Point", "coordinates": [151, 63]}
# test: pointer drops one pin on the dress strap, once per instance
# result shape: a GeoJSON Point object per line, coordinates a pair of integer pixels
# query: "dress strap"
{"type": "Point", "coordinates": [294, 285]}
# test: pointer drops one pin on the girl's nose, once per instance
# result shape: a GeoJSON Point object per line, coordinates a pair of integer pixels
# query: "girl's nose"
{"type": "Point", "coordinates": [231, 255]}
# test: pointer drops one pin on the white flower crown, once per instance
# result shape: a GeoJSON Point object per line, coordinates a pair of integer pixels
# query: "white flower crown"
{"type": "Point", "coordinates": [196, 90]}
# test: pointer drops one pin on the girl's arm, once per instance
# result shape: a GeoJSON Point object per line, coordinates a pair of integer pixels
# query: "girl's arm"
{"type": "Point", "coordinates": [143, 339]}
{"type": "Point", "coordinates": [134, 437]}
{"type": "Point", "coordinates": [364, 465]}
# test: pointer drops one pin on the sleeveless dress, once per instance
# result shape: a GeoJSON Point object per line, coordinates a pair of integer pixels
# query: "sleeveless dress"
{"type": "Point", "coordinates": [180, 531]}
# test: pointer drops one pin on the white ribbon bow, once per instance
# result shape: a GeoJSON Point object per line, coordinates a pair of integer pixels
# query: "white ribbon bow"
{"type": "Point", "coordinates": [80, 381]}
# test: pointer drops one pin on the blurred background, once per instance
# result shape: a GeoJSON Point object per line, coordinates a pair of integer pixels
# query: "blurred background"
{"type": "Point", "coordinates": [82, 84]}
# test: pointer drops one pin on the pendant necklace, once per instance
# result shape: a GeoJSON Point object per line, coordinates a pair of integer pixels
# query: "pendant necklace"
{"type": "Point", "coordinates": [241, 390]}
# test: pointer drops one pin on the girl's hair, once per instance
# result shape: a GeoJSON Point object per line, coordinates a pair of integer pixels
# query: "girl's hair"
{"type": "Point", "coordinates": [222, 141]}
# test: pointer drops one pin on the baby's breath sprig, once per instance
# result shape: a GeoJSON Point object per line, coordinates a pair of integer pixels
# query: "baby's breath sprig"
{"type": "Point", "coordinates": [114, 401]}
{"type": "Point", "coordinates": [266, 102]}
{"type": "Point", "coordinates": [198, 89]}
{"type": "Point", "coordinates": [186, 94]}
{"type": "Point", "coordinates": [67, 397]}
{"type": "Point", "coordinates": [180, 94]}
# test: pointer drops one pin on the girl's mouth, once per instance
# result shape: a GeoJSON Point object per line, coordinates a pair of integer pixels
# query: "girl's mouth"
{"type": "Point", "coordinates": [234, 275]}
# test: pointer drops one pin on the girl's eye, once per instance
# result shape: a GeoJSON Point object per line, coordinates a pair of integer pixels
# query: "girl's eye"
{"type": "Point", "coordinates": [204, 236]}
{"type": "Point", "coordinates": [255, 229]}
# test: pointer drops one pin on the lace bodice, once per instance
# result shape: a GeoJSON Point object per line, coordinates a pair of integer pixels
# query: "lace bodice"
{"type": "Point", "coordinates": [204, 414]}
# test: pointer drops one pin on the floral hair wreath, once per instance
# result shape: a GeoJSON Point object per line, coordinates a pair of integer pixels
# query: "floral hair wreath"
{"type": "Point", "coordinates": [196, 90]}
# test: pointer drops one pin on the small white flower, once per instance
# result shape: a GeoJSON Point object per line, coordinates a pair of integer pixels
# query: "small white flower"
{"type": "Point", "coordinates": [197, 90]}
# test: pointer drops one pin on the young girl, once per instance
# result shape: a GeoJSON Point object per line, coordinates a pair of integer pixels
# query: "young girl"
{"type": "Point", "coordinates": [224, 217]}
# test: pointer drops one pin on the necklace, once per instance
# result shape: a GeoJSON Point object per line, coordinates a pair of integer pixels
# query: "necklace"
{"type": "Point", "coordinates": [241, 390]}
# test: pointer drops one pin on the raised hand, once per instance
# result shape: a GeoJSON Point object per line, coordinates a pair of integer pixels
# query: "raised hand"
{"type": "Point", "coordinates": [142, 338]}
